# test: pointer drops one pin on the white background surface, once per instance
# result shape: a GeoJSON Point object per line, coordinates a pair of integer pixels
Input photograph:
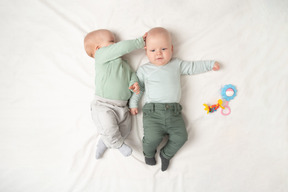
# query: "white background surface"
{"type": "Point", "coordinates": [47, 137]}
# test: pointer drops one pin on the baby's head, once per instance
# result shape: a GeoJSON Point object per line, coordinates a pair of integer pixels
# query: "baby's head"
{"type": "Point", "coordinates": [98, 39]}
{"type": "Point", "coordinates": [159, 46]}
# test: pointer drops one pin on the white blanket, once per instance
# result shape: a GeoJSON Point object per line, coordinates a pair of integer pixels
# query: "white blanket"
{"type": "Point", "coordinates": [48, 139]}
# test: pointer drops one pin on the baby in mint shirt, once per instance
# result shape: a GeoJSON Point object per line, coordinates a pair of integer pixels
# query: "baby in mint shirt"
{"type": "Point", "coordinates": [160, 80]}
{"type": "Point", "coordinates": [114, 83]}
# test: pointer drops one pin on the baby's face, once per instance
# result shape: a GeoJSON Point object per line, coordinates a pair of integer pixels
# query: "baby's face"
{"type": "Point", "coordinates": [159, 49]}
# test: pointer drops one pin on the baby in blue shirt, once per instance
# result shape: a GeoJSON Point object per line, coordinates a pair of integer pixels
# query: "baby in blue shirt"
{"type": "Point", "coordinates": [160, 80]}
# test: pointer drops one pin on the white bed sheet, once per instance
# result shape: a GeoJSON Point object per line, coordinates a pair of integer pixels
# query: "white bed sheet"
{"type": "Point", "coordinates": [47, 137]}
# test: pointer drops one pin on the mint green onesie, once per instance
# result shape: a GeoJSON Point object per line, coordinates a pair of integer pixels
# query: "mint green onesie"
{"type": "Point", "coordinates": [113, 76]}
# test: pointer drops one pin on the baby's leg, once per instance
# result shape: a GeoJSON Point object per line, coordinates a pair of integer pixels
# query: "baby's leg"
{"type": "Point", "coordinates": [105, 119]}
{"type": "Point", "coordinates": [126, 124]}
{"type": "Point", "coordinates": [177, 137]}
{"type": "Point", "coordinates": [125, 128]}
{"type": "Point", "coordinates": [153, 135]}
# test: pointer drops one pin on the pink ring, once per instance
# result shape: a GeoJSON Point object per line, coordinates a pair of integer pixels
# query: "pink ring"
{"type": "Point", "coordinates": [226, 113]}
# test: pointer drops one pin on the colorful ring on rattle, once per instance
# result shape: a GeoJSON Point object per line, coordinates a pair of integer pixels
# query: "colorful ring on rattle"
{"type": "Point", "coordinates": [226, 108]}
{"type": "Point", "coordinates": [228, 93]}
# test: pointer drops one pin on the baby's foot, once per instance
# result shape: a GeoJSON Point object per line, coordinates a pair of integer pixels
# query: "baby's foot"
{"type": "Point", "coordinates": [150, 161]}
{"type": "Point", "coordinates": [125, 150]}
{"type": "Point", "coordinates": [165, 163]}
{"type": "Point", "coordinates": [101, 148]}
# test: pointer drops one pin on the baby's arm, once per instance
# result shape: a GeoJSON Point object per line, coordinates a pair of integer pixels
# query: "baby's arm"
{"type": "Point", "coordinates": [119, 49]}
{"type": "Point", "coordinates": [195, 67]}
{"type": "Point", "coordinates": [134, 100]}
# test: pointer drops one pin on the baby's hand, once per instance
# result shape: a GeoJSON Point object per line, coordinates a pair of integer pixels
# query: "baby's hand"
{"type": "Point", "coordinates": [135, 88]}
{"type": "Point", "coordinates": [216, 66]}
{"type": "Point", "coordinates": [134, 111]}
{"type": "Point", "coordinates": [144, 36]}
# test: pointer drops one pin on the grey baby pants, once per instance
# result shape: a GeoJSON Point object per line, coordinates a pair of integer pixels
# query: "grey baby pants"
{"type": "Point", "coordinates": [112, 119]}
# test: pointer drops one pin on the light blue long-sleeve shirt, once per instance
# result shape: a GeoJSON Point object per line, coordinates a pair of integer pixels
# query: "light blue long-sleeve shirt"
{"type": "Point", "coordinates": [161, 84]}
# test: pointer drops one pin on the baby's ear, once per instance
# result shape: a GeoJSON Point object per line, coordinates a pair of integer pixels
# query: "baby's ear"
{"type": "Point", "coordinates": [145, 48]}
{"type": "Point", "coordinates": [171, 47]}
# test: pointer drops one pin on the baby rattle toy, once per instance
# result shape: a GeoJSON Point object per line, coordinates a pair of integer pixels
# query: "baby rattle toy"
{"type": "Point", "coordinates": [213, 108]}
{"type": "Point", "coordinates": [228, 93]}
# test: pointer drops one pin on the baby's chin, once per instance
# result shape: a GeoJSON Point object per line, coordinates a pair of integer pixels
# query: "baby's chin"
{"type": "Point", "coordinates": [160, 62]}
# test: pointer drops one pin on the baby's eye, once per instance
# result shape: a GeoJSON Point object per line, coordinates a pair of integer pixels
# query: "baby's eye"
{"type": "Point", "coordinates": [153, 50]}
{"type": "Point", "coordinates": [163, 49]}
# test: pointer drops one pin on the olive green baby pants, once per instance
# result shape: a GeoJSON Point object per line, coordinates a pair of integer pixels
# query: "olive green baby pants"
{"type": "Point", "coordinates": [160, 119]}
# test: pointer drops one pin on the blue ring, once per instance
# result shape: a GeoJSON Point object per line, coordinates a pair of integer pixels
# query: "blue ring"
{"type": "Point", "coordinates": [223, 92]}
